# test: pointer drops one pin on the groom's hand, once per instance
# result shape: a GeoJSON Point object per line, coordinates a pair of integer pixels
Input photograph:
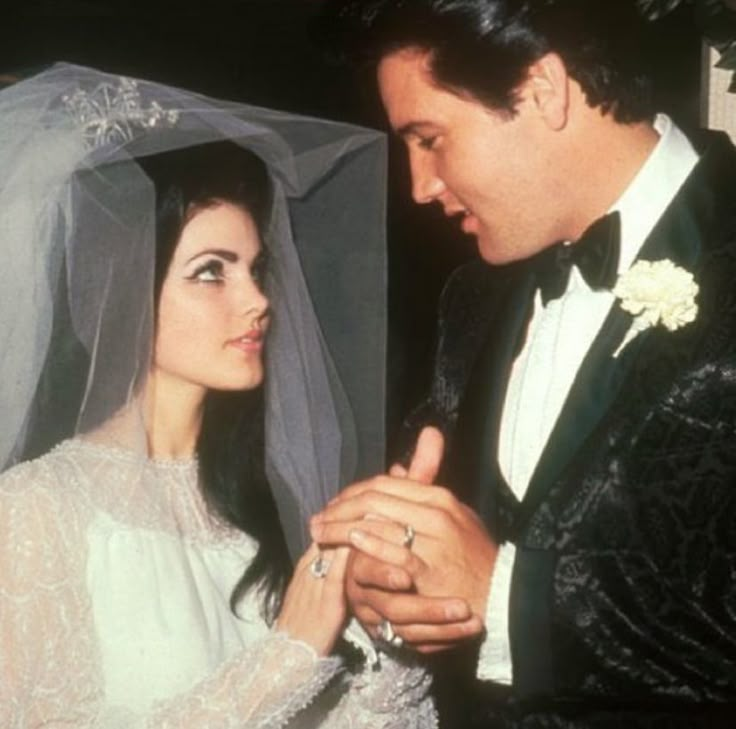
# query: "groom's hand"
{"type": "Point", "coordinates": [427, 624]}
{"type": "Point", "coordinates": [426, 459]}
{"type": "Point", "coordinates": [448, 566]}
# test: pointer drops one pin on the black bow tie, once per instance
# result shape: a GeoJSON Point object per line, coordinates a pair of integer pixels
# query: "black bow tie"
{"type": "Point", "coordinates": [595, 253]}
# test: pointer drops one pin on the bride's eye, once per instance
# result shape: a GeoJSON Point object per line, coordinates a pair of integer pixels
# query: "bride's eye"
{"type": "Point", "coordinates": [210, 272]}
{"type": "Point", "coordinates": [258, 268]}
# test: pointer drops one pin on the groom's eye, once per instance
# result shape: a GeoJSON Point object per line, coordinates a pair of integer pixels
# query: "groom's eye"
{"type": "Point", "coordinates": [427, 142]}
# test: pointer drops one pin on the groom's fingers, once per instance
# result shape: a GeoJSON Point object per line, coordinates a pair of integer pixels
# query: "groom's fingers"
{"type": "Point", "coordinates": [398, 471]}
{"type": "Point", "coordinates": [426, 460]}
{"type": "Point", "coordinates": [428, 624]}
{"type": "Point", "coordinates": [385, 540]}
{"type": "Point", "coordinates": [425, 463]}
{"type": "Point", "coordinates": [442, 636]}
{"type": "Point", "coordinates": [412, 610]}
{"type": "Point", "coordinates": [383, 549]}
{"type": "Point", "coordinates": [365, 572]}
{"type": "Point", "coordinates": [427, 648]}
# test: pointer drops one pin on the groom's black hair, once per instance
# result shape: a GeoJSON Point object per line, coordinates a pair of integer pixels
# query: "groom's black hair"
{"type": "Point", "coordinates": [484, 47]}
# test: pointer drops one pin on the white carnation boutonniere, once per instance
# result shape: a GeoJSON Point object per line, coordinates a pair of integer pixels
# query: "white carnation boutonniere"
{"type": "Point", "coordinates": [656, 293]}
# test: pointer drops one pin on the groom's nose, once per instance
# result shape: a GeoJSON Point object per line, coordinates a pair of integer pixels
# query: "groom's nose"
{"type": "Point", "coordinates": [426, 184]}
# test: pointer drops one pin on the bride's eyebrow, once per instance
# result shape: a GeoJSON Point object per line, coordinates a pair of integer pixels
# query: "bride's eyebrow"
{"type": "Point", "coordinates": [229, 256]}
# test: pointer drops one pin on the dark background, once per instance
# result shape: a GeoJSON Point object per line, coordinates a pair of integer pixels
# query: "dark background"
{"type": "Point", "coordinates": [261, 52]}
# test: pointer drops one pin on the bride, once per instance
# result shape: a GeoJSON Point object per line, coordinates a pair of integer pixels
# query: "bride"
{"type": "Point", "coordinates": [164, 255]}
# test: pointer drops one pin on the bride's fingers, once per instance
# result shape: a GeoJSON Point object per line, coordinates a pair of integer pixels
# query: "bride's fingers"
{"type": "Point", "coordinates": [314, 606]}
{"type": "Point", "coordinates": [310, 554]}
{"type": "Point", "coordinates": [337, 560]}
{"type": "Point", "coordinates": [320, 564]}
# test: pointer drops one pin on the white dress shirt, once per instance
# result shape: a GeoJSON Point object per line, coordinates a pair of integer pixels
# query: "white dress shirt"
{"type": "Point", "coordinates": [557, 341]}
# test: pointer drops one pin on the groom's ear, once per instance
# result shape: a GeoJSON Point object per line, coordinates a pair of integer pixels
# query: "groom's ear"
{"type": "Point", "coordinates": [547, 86]}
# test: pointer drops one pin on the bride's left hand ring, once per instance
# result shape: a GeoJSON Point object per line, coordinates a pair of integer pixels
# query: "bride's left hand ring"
{"type": "Point", "coordinates": [388, 635]}
{"type": "Point", "coordinates": [319, 567]}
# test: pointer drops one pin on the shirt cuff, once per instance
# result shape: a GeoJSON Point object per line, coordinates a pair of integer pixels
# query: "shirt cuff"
{"type": "Point", "coordinates": [494, 662]}
{"type": "Point", "coordinates": [355, 634]}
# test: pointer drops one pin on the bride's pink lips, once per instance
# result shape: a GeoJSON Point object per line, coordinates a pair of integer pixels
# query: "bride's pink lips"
{"type": "Point", "coordinates": [251, 341]}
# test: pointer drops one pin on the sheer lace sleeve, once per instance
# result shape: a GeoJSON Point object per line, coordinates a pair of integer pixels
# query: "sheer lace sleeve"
{"type": "Point", "coordinates": [47, 649]}
{"type": "Point", "coordinates": [49, 667]}
{"type": "Point", "coordinates": [49, 663]}
{"type": "Point", "coordinates": [388, 695]}
{"type": "Point", "coordinates": [262, 688]}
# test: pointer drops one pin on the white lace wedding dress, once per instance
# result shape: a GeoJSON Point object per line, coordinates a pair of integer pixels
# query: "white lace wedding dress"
{"type": "Point", "coordinates": [114, 612]}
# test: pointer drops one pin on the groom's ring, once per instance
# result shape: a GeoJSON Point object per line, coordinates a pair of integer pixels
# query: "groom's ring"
{"type": "Point", "coordinates": [409, 535]}
{"type": "Point", "coordinates": [387, 634]}
{"type": "Point", "coordinates": [319, 567]}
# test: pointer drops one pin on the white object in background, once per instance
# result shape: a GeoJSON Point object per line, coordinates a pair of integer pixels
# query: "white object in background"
{"type": "Point", "coordinates": [718, 106]}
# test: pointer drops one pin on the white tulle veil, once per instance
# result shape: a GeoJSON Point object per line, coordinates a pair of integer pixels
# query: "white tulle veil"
{"type": "Point", "coordinates": [77, 242]}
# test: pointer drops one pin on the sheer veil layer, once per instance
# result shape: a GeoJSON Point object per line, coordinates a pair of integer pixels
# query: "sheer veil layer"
{"type": "Point", "coordinates": [77, 230]}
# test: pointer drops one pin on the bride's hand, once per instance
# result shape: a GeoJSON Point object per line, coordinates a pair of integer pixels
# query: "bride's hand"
{"type": "Point", "coordinates": [314, 608]}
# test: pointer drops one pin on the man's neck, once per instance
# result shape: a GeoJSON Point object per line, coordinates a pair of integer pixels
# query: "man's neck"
{"type": "Point", "coordinates": [609, 157]}
{"type": "Point", "coordinates": [599, 158]}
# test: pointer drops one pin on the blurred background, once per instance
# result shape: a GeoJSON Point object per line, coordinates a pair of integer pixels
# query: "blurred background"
{"type": "Point", "coordinates": [262, 52]}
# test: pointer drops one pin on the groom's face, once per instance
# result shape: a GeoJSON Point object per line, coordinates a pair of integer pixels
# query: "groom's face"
{"type": "Point", "coordinates": [489, 169]}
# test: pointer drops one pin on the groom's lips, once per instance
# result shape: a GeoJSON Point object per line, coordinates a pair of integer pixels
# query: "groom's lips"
{"type": "Point", "coordinates": [468, 222]}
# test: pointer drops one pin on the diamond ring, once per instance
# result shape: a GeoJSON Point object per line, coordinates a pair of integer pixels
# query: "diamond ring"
{"type": "Point", "coordinates": [319, 567]}
{"type": "Point", "coordinates": [388, 635]}
{"type": "Point", "coordinates": [409, 535]}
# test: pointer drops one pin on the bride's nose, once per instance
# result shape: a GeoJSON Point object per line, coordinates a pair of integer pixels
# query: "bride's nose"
{"type": "Point", "coordinates": [252, 301]}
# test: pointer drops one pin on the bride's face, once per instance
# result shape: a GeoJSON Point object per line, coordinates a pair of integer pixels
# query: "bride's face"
{"type": "Point", "coordinates": [212, 314]}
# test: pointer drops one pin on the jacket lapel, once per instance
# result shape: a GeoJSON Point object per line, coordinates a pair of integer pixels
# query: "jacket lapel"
{"type": "Point", "coordinates": [678, 236]}
{"type": "Point", "coordinates": [594, 389]}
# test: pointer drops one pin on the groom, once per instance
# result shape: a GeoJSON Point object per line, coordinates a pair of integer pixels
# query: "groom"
{"type": "Point", "coordinates": [585, 380]}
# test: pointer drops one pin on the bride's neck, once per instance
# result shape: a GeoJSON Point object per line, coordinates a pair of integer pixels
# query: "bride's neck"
{"type": "Point", "coordinates": [173, 416]}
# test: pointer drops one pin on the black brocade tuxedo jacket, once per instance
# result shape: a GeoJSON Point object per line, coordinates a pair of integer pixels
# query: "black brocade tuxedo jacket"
{"type": "Point", "coordinates": [623, 596]}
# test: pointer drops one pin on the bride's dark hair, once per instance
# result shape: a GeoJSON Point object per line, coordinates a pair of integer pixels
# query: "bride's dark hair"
{"type": "Point", "coordinates": [230, 448]}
